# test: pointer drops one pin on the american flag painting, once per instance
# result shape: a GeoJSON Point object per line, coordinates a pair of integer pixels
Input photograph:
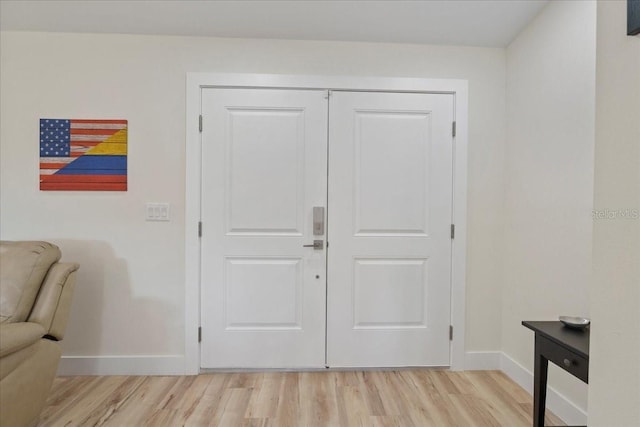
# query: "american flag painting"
{"type": "Point", "coordinates": [83, 155]}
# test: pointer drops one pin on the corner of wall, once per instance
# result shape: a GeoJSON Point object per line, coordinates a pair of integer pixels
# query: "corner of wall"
{"type": "Point", "coordinates": [548, 175]}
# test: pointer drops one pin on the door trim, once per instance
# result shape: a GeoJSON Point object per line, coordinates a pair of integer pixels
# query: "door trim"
{"type": "Point", "coordinates": [198, 81]}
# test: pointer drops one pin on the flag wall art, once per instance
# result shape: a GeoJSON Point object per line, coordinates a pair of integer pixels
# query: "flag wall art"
{"type": "Point", "coordinates": [78, 154]}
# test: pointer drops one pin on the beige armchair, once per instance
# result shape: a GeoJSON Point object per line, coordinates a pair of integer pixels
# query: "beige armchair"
{"type": "Point", "coordinates": [35, 297]}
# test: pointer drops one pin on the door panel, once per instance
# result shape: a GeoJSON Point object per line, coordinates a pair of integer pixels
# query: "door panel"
{"type": "Point", "coordinates": [390, 200]}
{"type": "Point", "coordinates": [390, 189]}
{"type": "Point", "coordinates": [265, 158]}
{"type": "Point", "coordinates": [389, 293]}
{"type": "Point", "coordinates": [263, 293]}
{"type": "Point", "coordinates": [264, 169]}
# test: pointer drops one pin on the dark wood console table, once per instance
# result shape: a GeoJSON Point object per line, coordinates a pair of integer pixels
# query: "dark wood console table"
{"type": "Point", "coordinates": [566, 347]}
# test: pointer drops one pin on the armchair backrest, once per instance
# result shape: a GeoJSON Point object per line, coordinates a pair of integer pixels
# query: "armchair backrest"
{"type": "Point", "coordinates": [23, 267]}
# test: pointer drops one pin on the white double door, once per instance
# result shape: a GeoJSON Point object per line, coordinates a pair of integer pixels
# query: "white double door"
{"type": "Point", "coordinates": [375, 292]}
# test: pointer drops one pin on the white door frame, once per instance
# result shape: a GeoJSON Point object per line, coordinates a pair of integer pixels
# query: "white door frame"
{"type": "Point", "coordinates": [197, 81]}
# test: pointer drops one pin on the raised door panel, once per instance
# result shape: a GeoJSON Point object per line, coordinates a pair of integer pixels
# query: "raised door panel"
{"type": "Point", "coordinates": [390, 293]}
{"type": "Point", "coordinates": [391, 172]}
{"type": "Point", "coordinates": [263, 293]}
{"type": "Point", "coordinates": [265, 171]}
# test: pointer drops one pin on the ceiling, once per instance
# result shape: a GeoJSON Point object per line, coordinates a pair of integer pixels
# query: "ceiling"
{"type": "Point", "coordinates": [490, 23]}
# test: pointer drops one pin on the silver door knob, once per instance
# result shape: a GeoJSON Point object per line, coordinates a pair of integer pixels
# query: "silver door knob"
{"type": "Point", "coordinates": [317, 245]}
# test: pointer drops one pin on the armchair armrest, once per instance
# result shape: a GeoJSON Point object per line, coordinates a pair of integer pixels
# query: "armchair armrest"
{"type": "Point", "coordinates": [16, 336]}
{"type": "Point", "coordinates": [53, 303]}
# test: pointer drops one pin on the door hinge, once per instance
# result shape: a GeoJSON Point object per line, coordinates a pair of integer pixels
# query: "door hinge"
{"type": "Point", "coordinates": [450, 332]}
{"type": "Point", "coordinates": [453, 129]}
{"type": "Point", "coordinates": [199, 333]}
{"type": "Point", "coordinates": [199, 228]}
{"type": "Point", "coordinates": [200, 123]}
{"type": "Point", "coordinates": [453, 231]}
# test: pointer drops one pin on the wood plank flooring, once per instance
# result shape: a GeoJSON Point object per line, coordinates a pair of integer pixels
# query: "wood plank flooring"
{"type": "Point", "coordinates": [416, 397]}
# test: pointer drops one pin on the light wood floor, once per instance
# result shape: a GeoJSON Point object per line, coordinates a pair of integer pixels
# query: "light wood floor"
{"type": "Point", "coordinates": [419, 397]}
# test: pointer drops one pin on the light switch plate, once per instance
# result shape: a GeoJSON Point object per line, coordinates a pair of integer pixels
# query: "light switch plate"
{"type": "Point", "coordinates": [157, 212]}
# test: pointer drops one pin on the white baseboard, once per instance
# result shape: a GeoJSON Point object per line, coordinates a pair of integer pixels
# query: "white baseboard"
{"type": "Point", "coordinates": [121, 365]}
{"type": "Point", "coordinates": [566, 410]}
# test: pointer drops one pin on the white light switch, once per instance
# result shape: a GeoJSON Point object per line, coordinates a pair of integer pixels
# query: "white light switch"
{"type": "Point", "coordinates": [157, 212]}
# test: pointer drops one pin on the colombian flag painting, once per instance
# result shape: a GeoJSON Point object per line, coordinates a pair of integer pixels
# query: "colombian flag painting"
{"type": "Point", "coordinates": [83, 155]}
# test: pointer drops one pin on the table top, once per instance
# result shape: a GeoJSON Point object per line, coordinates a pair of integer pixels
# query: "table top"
{"type": "Point", "coordinates": [575, 339]}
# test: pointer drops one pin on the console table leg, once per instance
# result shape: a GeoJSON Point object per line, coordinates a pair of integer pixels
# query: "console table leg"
{"type": "Point", "coordinates": [539, 386]}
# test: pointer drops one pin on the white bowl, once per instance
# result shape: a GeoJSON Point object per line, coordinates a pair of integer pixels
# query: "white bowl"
{"type": "Point", "coordinates": [575, 322]}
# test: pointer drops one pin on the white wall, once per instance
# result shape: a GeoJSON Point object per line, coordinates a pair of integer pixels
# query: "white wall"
{"type": "Point", "coordinates": [549, 179]}
{"type": "Point", "coordinates": [614, 371]}
{"type": "Point", "coordinates": [130, 294]}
